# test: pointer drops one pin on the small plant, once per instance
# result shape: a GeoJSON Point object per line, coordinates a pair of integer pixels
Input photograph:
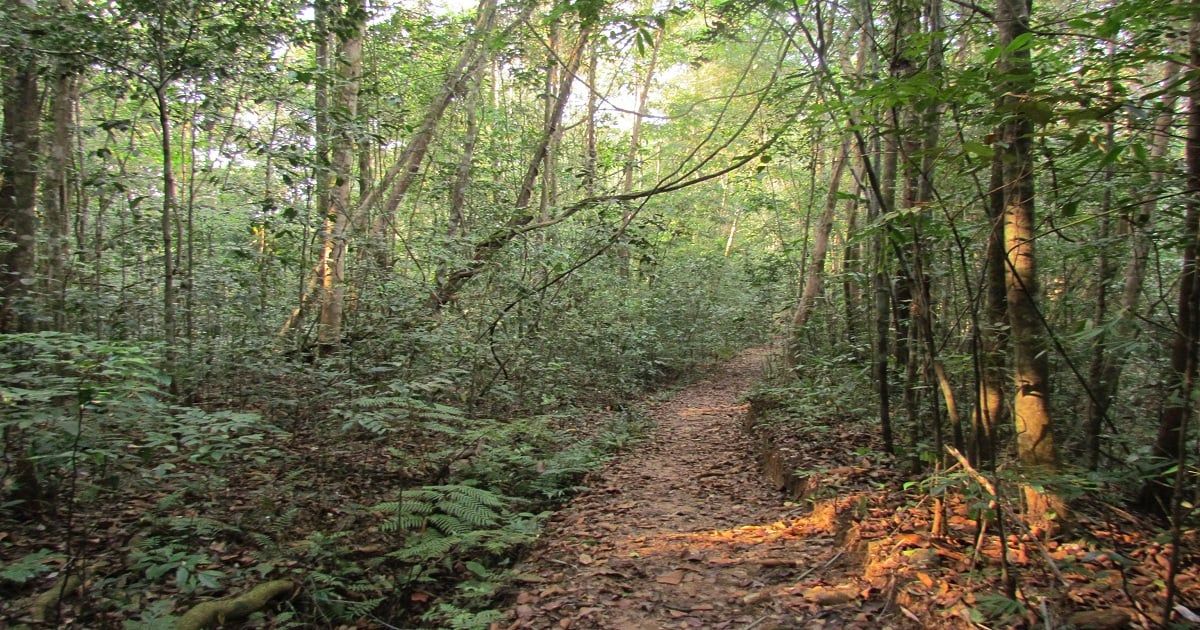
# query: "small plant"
{"type": "Point", "coordinates": [29, 566]}
{"type": "Point", "coordinates": [157, 560]}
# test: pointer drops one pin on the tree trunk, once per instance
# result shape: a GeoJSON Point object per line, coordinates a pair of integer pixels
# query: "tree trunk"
{"type": "Point", "coordinates": [168, 208]}
{"type": "Point", "coordinates": [1138, 226]}
{"type": "Point", "coordinates": [401, 175]}
{"type": "Point", "coordinates": [593, 106]}
{"type": "Point", "coordinates": [486, 248]}
{"type": "Point", "coordinates": [635, 140]}
{"type": "Point", "coordinates": [1157, 494]}
{"type": "Point", "coordinates": [18, 186]}
{"type": "Point", "coordinates": [816, 268]}
{"type": "Point", "coordinates": [549, 194]}
{"type": "Point", "coordinates": [337, 223]}
{"type": "Point", "coordinates": [990, 410]}
{"type": "Point", "coordinates": [59, 186]}
{"type": "Point", "coordinates": [1031, 378]}
{"type": "Point", "coordinates": [1097, 409]}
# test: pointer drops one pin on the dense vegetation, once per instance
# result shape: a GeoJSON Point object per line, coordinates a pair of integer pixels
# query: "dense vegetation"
{"type": "Point", "coordinates": [341, 296]}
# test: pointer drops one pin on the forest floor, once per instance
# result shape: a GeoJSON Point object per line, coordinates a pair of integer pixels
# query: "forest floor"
{"type": "Point", "coordinates": [685, 532]}
{"type": "Point", "coordinates": [731, 517]}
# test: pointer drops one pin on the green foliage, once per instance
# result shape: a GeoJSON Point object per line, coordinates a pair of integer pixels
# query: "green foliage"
{"type": "Point", "coordinates": [996, 608]}
{"type": "Point", "coordinates": [188, 569]}
{"type": "Point", "coordinates": [29, 566]}
{"type": "Point", "coordinates": [73, 401]}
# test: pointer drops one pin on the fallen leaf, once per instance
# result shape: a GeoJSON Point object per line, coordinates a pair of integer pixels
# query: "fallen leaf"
{"type": "Point", "coordinates": [673, 578]}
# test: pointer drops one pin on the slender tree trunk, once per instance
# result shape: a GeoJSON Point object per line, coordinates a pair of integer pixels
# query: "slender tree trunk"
{"type": "Point", "coordinates": [59, 187]}
{"type": "Point", "coordinates": [852, 265]}
{"type": "Point", "coordinates": [457, 225]}
{"type": "Point", "coordinates": [732, 232]}
{"type": "Point", "coordinates": [1097, 409]}
{"type": "Point", "coordinates": [549, 193]}
{"type": "Point", "coordinates": [1138, 227]}
{"type": "Point", "coordinates": [320, 190]}
{"type": "Point", "coordinates": [990, 410]}
{"type": "Point", "coordinates": [170, 195]}
{"type": "Point", "coordinates": [593, 106]}
{"type": "Point", "coordinates": [18, 185]}
{"type": "Point", "coordinates": [631, 158]}
{"type": "Point", "coordinates": [401, 175]}
{"type": "Point", "coordinates": [816, 268]}
{"type": "Point", "coordinates": [485, 249]}
{"type": "Point", "coordinates": [1031, 378]}
{"type": "Point", "coordinates": [1159, 491]}
{"type": "Point", "coordinates": [337, 224]}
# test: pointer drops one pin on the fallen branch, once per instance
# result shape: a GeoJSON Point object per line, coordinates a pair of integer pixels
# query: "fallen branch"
{"type": "Point", "coordinates": [986, 484]}
{"type": "Point", "coordinates": [222, 610]}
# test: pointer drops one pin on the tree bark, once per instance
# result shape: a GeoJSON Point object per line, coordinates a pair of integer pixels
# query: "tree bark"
{"type": "Point", "coordinates": [990, 410]}
{"type": "Point", "coordinates": [59, 186]}
{"type": "Point", "coordinates": [337, 224]}
{"type": "Point", "coordinates": [593, 106]}
{"type": "Point", "coordinates": [401, 175]}
{"type": "Point", "coordinates": [816, 268]}
{"type": "Point", "coordinates": [635, 139]}
{"type": "Point", "coordinates": [484, 250]}
{"type": "Point", "coordinates": [18, 186]}
{"type": "Point", "coordinates": [1157, 493]}
{"type": "Point", "coordinates": [1031, 378]}
{"type": "Point", "coordinates": [170, 195]}
{"type": "Point", "coordinates": [1138, 226]}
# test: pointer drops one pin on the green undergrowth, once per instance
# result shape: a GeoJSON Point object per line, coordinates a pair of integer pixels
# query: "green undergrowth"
{"type": "Point", "coordinates": [821, 392]}
{"type": "Point", "coordinates": [395, 481]}
{"type": "Point", "coordinates": [410, 512]}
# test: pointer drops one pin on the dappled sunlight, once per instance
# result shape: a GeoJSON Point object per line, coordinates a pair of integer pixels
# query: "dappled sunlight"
{"type": "Point", "coordinates": [699, 412]}
{"type": "Point", "coordinates": [750, 538]}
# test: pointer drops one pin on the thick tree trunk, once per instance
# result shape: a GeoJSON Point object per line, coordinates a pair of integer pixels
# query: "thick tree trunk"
{"type": "Point", "coordinates": [1031, 378]}
{"type": "Point", "coordinates": [18, 186]}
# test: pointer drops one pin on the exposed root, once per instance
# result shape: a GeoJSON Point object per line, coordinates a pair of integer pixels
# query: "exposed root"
{"type": "Point", "coordinates": [45, 604]}
{"type": "Point", "coordinates": [222, 610]}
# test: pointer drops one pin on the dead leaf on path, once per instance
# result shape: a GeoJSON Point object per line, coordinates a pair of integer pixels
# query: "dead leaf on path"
{"type": "Point", "coordinates": [674, 578]}
{"type": "Point", "coordinates": [831, 596]}
{"type": "Point", "coordinates": [585, 559]}
{"type": "Point", "coordinates": [754, 598]}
